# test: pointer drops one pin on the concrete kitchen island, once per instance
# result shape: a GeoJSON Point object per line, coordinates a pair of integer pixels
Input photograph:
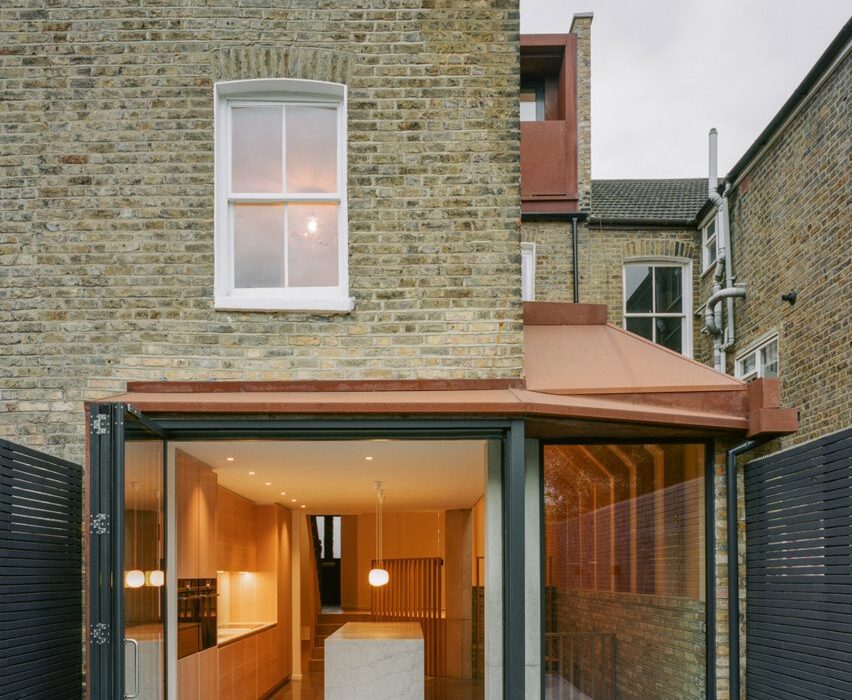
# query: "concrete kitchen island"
{"type": "Point", "coordinates": [375, 661]}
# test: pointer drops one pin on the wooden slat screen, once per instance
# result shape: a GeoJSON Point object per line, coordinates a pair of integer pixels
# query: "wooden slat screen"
{"type": "Point", "coordinates": [413, 594]}
{"type": "Point", "coordinates": [799, 571]}
{"type": "Point", "coordinates": [41, 612]}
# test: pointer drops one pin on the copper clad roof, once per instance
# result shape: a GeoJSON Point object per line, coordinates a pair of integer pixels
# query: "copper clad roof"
{"type": "Point", "coordinates": [578, 368]}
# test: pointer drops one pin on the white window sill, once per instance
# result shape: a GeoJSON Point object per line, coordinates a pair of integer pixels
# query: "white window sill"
{"type": "Point", "coordinates": [343, 305]}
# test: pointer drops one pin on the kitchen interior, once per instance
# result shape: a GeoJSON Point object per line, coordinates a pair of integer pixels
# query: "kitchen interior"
{"type": "Point", "coordinates": [251, 555]}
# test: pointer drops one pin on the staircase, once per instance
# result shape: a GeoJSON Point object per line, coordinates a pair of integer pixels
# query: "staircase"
{"type": "Point", "coordinates": [327, 624]}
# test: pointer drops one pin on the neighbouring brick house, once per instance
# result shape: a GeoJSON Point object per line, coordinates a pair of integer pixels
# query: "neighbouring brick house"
{"type": "Point", "coordinates": [146, 187]}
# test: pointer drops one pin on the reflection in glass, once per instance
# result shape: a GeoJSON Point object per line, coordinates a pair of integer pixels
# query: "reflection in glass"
{"type": "Point", "coordinates": [669, 332]}
{"type": "Point", "coordinates": [638, 289]}
{"type": "Point", "coordinates": [312, 241]}
{"type": "Point", "coordinates": [256, 149]}
{"type": "Point", "coordinates": [144, 567]}
{"type": "Point", "coordinates": [258, 245]}
{"type": "Point", "coordinates": [311, 149]}
{"type": "Point", "coordinates": [641, 326]}
{"type": "Point", "coordinates": [624, 567]}
{"type": "Point", "coordinates": [668, 289]}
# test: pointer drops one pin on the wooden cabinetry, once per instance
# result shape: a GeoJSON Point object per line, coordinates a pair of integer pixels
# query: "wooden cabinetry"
{"type": "Point", "coordinates": [198, 676]}
{"type": "Point", "coordinates": [235, 532]}
{"type": "Point", "coordinates": [196, 495]}
{"type": "Point", "coordinates": [238, 670]}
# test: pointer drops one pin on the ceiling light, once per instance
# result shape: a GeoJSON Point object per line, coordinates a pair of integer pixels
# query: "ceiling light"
{"type": "Point", "coordinates": [369, 459]}
{"type": "Point", "coordinates": [378, 575]}
{"type": "Point", "coordinates": [303, 506]}
{"type": "Point", "coordinates": [267, 483]}
{"type": "Point", "coordinates": [251, 473]}
{"type": "Point", "coordinates": [229, 459]}
{"type": "Point", "coordinates": [293, 499]}
{"type": "Point", "coordinates": [283, 493]}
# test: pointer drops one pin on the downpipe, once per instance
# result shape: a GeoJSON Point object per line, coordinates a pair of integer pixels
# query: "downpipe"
{"type": "Point", "coordinates": [734, 562]}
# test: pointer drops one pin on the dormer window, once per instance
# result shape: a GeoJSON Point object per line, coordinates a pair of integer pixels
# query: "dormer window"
{"type": "Point", "coordinates": [281, 223]}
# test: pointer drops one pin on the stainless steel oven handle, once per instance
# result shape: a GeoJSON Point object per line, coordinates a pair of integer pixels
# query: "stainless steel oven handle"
{"type": "Point", "coordinates": [135, 693]}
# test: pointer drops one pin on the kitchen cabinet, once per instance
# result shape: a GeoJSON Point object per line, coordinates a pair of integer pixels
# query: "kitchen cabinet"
{"type": "Point", "coordinates": [198, 676]}
{"type": "Point", "coordinates": [238, 670]}
{"type": "Point", "coordinates": [270, 660]}
{"type": "Point", "coordinates": [235, 532]}
{"type": "Point", "coordinates": [196, 495]}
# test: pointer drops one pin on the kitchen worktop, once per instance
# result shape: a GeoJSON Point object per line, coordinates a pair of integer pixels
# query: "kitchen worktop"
{"type": "Point", "coordinates": [232, 632]}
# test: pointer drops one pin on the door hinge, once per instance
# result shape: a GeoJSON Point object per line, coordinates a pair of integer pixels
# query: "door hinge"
{"type": "Point", "coordinates": [99, 524]}
{"type": "Point", "coordinates": [100, 424]}
{"type": "Point", "coordinates": [99, 633]}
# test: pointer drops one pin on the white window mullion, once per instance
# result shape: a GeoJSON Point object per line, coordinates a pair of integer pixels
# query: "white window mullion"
{"type": "Point", "coordinates": [286, 247]}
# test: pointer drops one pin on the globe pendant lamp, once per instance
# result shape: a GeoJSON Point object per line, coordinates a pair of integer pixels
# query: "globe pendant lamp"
{"type": "Point", "coordinates": [378, 575]}
{"type": "Point", "coordinates": [135, 578]}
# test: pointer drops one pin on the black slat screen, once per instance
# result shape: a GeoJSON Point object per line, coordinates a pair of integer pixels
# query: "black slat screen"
{"type": "Point", "coordinates": [41, 605]}
{"type": "Point", "coordinates": [799, 572]}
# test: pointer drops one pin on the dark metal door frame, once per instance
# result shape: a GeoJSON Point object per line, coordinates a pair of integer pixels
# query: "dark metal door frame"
{"type": "Point", "coordinates": [106, 679]}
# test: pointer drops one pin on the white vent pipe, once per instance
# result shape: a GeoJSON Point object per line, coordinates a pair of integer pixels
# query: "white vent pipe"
{"type": "Point", "coordinates": [723, 339]}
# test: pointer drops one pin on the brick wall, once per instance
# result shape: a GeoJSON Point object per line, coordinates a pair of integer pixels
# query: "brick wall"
{"type": "Point", "coordinates": [790, 226]}
{"type": "Point", "coordinates": [106, 257]}
{"type": "Point", "coordinates": [659, 642]}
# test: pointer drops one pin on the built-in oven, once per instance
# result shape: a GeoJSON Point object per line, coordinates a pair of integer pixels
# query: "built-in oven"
{"type": "Point", "coordinates": [196, 610]}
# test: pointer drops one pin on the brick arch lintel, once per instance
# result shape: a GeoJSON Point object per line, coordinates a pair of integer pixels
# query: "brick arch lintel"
{"type": "Point", "coordinates": [281, 61]}
{"type": "Point", "coordinates": [657, 248]}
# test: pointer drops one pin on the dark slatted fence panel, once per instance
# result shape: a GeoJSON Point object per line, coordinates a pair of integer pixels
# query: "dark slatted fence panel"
{"type": "Point", "coordinates": [799, 571]}
{"type": "Point", "coordinates": [41, 613]}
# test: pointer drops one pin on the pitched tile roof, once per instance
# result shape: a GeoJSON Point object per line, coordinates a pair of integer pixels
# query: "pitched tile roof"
{"type": "Point", "coordinates": [674, 201]}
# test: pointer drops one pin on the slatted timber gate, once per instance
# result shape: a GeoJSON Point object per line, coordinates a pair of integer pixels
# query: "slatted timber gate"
{"type": "Point", "coordinates": [799, 571]}
{"type": "Point", "coordinates": [41, 613]}
{"type": "Point", "coordinates": [413, 594]}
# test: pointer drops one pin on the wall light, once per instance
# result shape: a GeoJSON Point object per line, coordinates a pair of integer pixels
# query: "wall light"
{"type": "Point", "coordinates": [155, 578]}
{"type": "Point", "coordinates": [134, 579]}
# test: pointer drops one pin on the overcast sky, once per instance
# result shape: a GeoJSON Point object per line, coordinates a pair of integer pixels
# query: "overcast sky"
{"type": "Point", "coordinates": [665, 71]}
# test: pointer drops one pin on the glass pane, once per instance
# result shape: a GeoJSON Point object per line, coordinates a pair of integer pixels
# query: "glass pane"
{"type": "Point", "coordinates": [312, 237]}
{"type": "Point", "coordinates": [256, 148]}
{"type": "Point", "coordinates": [769, 360]}
{"type": "Point", "coordinates": [624, 563]}
{"type": "Point", "coordinates": [529, 105]}
{"type": "Point", "coordinates": [669, 333]}
{"type": "Point", "coordinates": [749, 364]}
{"type": "Point", "coordinates": [144, 566]}
{"type": "Point", "coordinates": [258, 245]}
{"type": "Point", "coordinates": [637, 289]}
{"type": "Point", "coordinates": [711, 251]}
{"type": "Point", "coordinates": [641, 326]}
{"type": "Point", "coordinates": [311, 149]}
{"type": "Point", "coordinates": [669, 289]}
{"type": "Point", "coordinates": [710, 229]}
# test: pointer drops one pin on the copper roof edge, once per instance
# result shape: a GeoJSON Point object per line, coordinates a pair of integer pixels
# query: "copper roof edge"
{"type": "Point", "coordinates": [322, 386]}
{"type": "Point", "coordinates": [557, 313]}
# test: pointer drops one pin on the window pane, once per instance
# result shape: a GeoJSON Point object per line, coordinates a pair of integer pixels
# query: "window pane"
{"type": "Point", "coordinates": [312, 236]}
{"type": "Point", "coordinates": [641, 326]}
{"type": "Point", "coordinates": [711, 228]}
{"type": "Point", "coordinates": [669, 333]}
{"type": "Point", "coordinates": [529, 104]}
{"type": "Point", "coordinates": [749, 364]}
{"type": "Point", "coordinates": [624, 569]}
{"type": "Point", "coordinates": [669, 288]}
{"type": "Point", "coordinates": [258, 245]}
{"type": "Point", "coordinates": [711, 251]}
{"type": "Point", "coordinates": [769, 360]}
{"type": "Point", "coordinates": [637, 292]}
{"type": "Point", "coordinates": [256, 149]}
{"type": "Point", "coordinates": [311, 149]}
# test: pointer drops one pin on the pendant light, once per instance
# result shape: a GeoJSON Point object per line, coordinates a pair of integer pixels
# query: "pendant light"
{"type": "Point", "coordinates": [135, 578]}
{"type": "Point", "coordinates": [378, 575]}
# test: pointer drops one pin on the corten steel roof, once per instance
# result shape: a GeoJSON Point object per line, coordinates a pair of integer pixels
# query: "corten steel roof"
{"type": "Point", "coordinates": [673, 202]}
{"type": "Point", "coordinates": [580, 372]}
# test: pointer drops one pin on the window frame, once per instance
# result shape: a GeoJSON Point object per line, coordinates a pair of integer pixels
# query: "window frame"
{"type": "Point", "coordinates": [283, 92]}
{"type": "Point", "coordinates": [686, 295]}
{"type": "Point", "coordinates": [528, 256]}
{"type": "Point", "coordinates": [706, 262]}
{"type": "Point", "coordinates": [754, 351]}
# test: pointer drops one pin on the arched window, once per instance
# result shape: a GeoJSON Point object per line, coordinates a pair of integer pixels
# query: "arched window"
{"type": "Point", "coordinates": [658, 301]}
{"type": "Point", "coordinates": [281, 216]}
